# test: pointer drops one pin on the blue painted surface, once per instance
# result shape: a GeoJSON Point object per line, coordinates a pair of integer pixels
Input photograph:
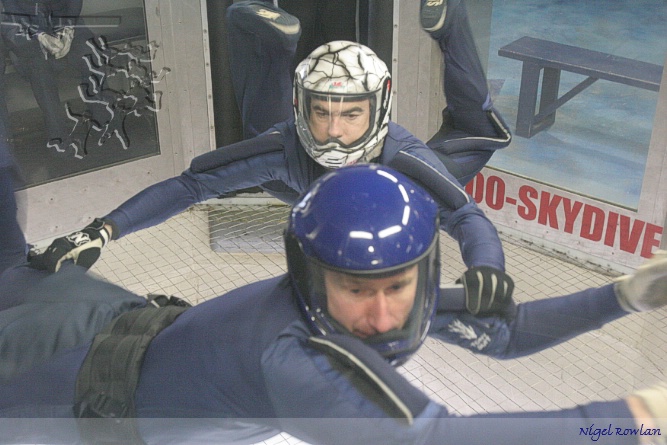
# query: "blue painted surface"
{"type": "Point", "coordinates": [599, 144]}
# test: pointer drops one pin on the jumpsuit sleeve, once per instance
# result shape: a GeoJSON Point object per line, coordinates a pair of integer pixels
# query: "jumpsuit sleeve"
{"type": "Point", "coordinates": [476, 235]}
{"type": "Point", "coordinates": [537, 325]}
{"type": "Point", "coordinates": [459, 215]}
{"type": "Point", "coordinates": [320, 402]}
{"type": "Point", "coordinates": [261, 161]}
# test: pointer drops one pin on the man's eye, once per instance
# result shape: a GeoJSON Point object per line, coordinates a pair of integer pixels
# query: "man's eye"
{"type": "Point", "coordinates": [397, 287]}
{"type": "Point", "coordinates": [359, 292]}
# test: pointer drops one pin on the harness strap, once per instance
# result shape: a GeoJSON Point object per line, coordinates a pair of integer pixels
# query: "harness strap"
{"type": "Point", "coordinates": [108, 377]}
{"type": "Point", "coordinates": [444, 188]}
{"type": "Point", "coordinates": [372, 375]}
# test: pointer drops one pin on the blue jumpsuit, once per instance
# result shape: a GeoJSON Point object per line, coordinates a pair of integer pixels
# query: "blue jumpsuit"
{"type": "Point", "coordinates": [279, 155]}
{"type": "Point", "coordinates": [239, 368]}
{"type": "Point", "coordinates": [262, 77]}
{"type": "Point", "coordinates": [31, 299]}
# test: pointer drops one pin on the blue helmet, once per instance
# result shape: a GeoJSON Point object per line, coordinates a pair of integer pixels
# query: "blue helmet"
{"type": "Point", "coordinates": [370, 222]}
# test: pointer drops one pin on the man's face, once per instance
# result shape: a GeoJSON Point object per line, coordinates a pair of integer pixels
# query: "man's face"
{"type": "Point", "coordinates": [343, 122]}
{"type": "Point", "coordinates": [366, 307]}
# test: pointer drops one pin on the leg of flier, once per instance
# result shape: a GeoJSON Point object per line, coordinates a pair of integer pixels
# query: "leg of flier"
{"type": "Point", "coordinates": [472, 129]}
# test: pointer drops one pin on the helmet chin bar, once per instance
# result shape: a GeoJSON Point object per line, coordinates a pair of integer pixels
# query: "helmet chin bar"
{"type": "Point", "coordinates": [332, 158]}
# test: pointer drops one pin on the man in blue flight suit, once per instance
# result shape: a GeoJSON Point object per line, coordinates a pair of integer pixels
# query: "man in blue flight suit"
{"type": "Point", "coordinates": [342, 99]}
{"type": "Point", "coordinates": [310, 352]}
{"type": "Point", "coordinates": [263, 40]}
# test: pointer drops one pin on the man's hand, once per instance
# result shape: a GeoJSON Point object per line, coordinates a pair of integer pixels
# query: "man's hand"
{"type": "Point", "coordinates": [57, 45]}
{"type": "Point", "coordinates": [488, 291]}
{"type": "Point", "coordinates": [649, 407]}
{"type": "Point", "coordinates": [646, 288]}
{"type": "Point", "coordinates": [50, 44]}
{"type": "Point", "coordinates": [65, 35]}
{"type": "Point", "coordinates": [83, 248]}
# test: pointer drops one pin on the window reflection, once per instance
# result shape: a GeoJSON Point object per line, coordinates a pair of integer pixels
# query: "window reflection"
{"type": "Point", "coordinates": [77, 89]}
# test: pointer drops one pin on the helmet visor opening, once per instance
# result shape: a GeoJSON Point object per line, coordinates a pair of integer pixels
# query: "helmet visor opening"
{"type": "Point", "coordinates": [338, 120]}
{"type": "Point", "coordinates": [368, 306]}
{"type": "Point", "coordinates": [345, 301]}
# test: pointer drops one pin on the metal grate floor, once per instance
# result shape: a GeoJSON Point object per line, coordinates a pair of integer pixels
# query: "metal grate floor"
{"type": "Point", "coordinates": [211, 249]}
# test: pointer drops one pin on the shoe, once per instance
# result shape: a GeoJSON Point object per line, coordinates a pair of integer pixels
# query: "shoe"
{"type": "Point", "coordinates": [268, 13]}
{"type": "Point", "coordinates": [432, 14]}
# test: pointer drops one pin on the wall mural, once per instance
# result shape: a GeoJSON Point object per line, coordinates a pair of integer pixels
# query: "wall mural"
{"type": "Point", "coordinates": [78, 90]}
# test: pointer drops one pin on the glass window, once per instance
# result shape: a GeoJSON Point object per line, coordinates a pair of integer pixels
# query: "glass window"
{"type": "Point", "coordinates": [598, 143]}
{"type": "Point", "coordinates": [77, 90]}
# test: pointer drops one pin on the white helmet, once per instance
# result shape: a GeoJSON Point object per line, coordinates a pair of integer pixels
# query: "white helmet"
{"type": "Point", "coordinates": [337, 72]}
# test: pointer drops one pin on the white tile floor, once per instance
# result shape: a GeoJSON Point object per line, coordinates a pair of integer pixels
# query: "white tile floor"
{"type": "Point", "coordinates": [209, 250]}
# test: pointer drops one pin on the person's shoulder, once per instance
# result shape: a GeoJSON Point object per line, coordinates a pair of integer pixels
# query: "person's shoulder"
{"type": "Point", "coordinates": [399, 133]}
{"type": "Point", "coordinates": [286, 128]}
{"type": "Point", "coordinates": [266, 307]}
{"type": "Point", "coordinates": [289, 138]}
{"type": "Point", "coordinates": [277, 291]}
{"type": "Point", "coordinates": [288, 351]}
{"type": "Point", "coordinates": [276, 285]}
{"type": "Point", "coordinates": [400, 140]}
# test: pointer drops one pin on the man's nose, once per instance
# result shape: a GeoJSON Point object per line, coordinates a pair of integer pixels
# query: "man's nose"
{"type": "Point", "coordinates": [335, 127]}
{"type": "Point", "coordinates": [379, 316]}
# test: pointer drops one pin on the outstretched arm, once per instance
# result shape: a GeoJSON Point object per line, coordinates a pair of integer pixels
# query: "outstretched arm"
{"type": "Point", "coordinates": [351, 395]}
{"type": "Point", "coordinates": [481, 249]}
{"type": "Point", "coordinates": [534, 326]}
{"type": "Point", "coordinates": [541, 324]}
{"type": "Point", "coordinates": [544, 323]}
{"type": "Point", "coordinates": [459, 216]}
{"type": "Point", "coordinates": [235, 167]}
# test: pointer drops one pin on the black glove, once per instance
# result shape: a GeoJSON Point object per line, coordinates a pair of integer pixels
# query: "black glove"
{"type": "Point", "coordinates": [83, 248]}
{"type": "Point", "coordinates": [159, 300]}
{"type": "Point", "coordinates": [488, 291]}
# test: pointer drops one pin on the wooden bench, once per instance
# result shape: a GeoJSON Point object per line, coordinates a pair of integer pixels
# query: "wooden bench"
{"type": "Point", "coordinates": [542, 55]}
